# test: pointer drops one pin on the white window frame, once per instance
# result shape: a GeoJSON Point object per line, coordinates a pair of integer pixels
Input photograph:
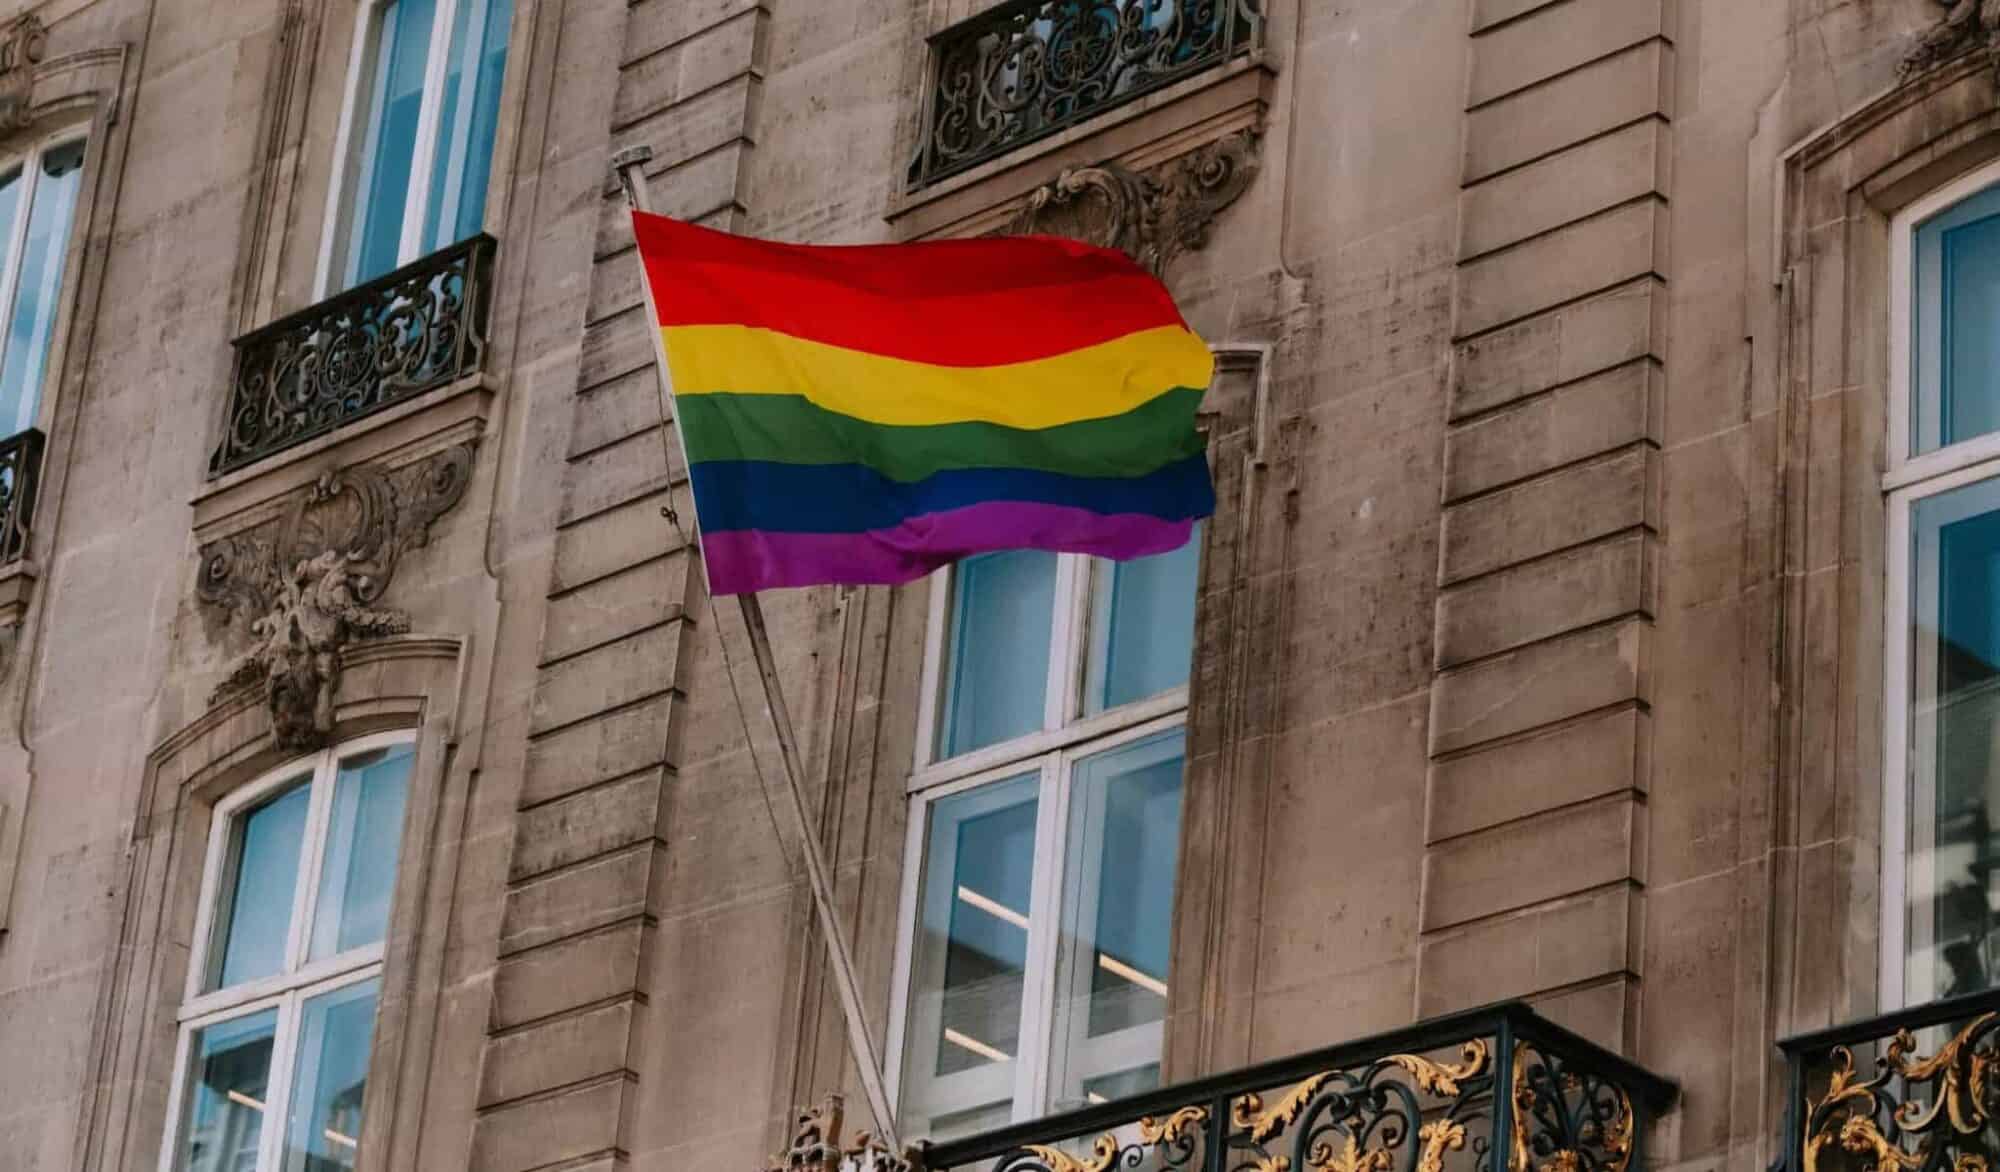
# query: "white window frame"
{"type": "Point", "coordinates": [297, 982]}
{"type": "Point", "coordinates": [1906, 480]}
{"type": "Point", "coordinates": [29, 161]}
{"type": "Point", "coordinates": [352, 166]}
{"type": "Point", "coordinates": [1053, 752]}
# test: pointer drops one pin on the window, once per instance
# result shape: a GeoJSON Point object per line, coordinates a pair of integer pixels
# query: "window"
{"type": "Point", "coordinates": [419, 133]}
{"type": "Point", "coordinates": [276, 1028]}
{"type": "Point", "coordinates": [1045, 834]}
{"type": "Point", "coordinates": [37, 204]}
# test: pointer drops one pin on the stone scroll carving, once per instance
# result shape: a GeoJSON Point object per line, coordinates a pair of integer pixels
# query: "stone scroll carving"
{"type": "Point", "coordinates": [22, 41]}
{"type": "Point", "coordinates": [1965, 25]}
{"type": "Point", "coordinates": [305, 584]}
{"type": "Point", "coordinates": [1154, 216]}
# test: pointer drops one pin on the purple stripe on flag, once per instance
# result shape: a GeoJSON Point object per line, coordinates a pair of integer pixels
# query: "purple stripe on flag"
{"type": "Point", "coordinates": [744, 560]}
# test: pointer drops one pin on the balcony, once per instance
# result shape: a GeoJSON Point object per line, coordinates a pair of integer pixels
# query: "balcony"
{"type": "Point", "coordinates": [20, 473]}
{"type": "Point", "coordinates": [1028, 69]}
{"type": "Point", "coordinates": [1419, 1099]}
{"type": "Point", "coordinates": [366, 349]}
{"type": "Point", "coordinates": [1912, 1091]}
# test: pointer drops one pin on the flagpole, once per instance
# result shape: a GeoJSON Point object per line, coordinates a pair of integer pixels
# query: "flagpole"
{"type": "Point", "coordinates": [629, 165]}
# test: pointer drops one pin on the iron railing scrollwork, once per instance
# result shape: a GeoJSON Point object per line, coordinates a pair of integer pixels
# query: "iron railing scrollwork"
{"type": "Point", "coordinates": [20, 476]}
{"type": "Point", "coordinates": [1427, 1098]}
{"type": "Point", "coordinates": [1914, 1091]}
{"type": "Point", "coordinates": [375, 345]}
{"type": "Point", "coordinates": [1026, 69]}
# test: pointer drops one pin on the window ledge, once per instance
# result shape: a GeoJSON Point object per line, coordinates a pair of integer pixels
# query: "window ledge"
{"type": "Point", "coordinates": [1140, 134]}
{"type": "Point", "coordinates": [444, 415]}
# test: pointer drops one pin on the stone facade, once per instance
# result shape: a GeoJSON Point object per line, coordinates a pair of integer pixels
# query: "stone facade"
{"type": "Point", "coordinates": [1539, 646]}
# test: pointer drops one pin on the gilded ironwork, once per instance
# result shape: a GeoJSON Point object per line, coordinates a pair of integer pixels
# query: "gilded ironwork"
{"type": "Point", "coordinates": [1916, 1114]}
{"type": "Point", "coordinates": [20, 477]}
{"type": "Point", "coordinates": [1493, 1090]}
{"type": "Point", "coordinates": [819, 1144]}
{"type": "Point", "coordinates": [1029, 68]}
{"type": "Point", "coordinates": [373, 346]}
{"type": "Point", "coordinates": [305, 585]}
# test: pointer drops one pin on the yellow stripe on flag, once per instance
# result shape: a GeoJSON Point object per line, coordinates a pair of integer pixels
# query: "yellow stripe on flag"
{"type": "Point", "coordinates": [1094, 382]}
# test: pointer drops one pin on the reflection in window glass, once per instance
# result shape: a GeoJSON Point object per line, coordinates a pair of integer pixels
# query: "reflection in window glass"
{"type": "Point", "coordinates": [1953, 875]}
{"type": "Point", "coordinates": [364, 823]}
{"type": "Point", "coordinates": [32, 321]}
{"type": "Point", "coordinates": [971, 958]}
{"type": "Point", "coordinates": [467, 121]}
{"type": "Point", "coordinates": [324, 1129]}
{"type": "Point", "coordinates": [16, 411]}
{"type": "Point", "coordinates": [997, 662]}
{"type": "Point", "coordinates": [262, 876]}
{"type": "Point", "coordinates": [1117, 921]}
{"type": "Point", "coordinates": [1141, 627]}
{"type": "Point", "coordinates": [1956, 324]}
{"type": "Point", "coordinates": [395, 106]}
{"type": "Point", "coordinates": [228, 1093]}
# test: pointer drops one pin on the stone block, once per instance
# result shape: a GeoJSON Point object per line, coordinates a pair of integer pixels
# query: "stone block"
{"type": "Point", "coordinates": [568, 903]}
{"type": "Point", "coordinates": [1541, 684]}
{"type": "Point", "coordinates": [619, 474]}
{"type": "Point", "coordinates": [1533, 860]}
{"type": "Point", "coordinates": [1594, 935]}
{"type": "Point", "coordinates": [708, 57]}
{"type": "Point", "coordinates": [611, 608]}
{"type": "Point", "coordinates": [705, 122]}
{"type": "Point", "coordinates": [1562, 592]}
{"type": "Point", "coordinates": [1605, 1012]}
{"type": "Point", "coordinates": [614, 287]}
{"type": "Point", "coordinates": [558, 1052]}
{"type": "Point", "coordinates": [615, 540]}
{"type": "Point", "coordinates": [1623, 88]}
{"type": "Point", "coordinates": [1556, 39]}
{"type": "Point", "coordinates": [594, 822]}
{"type": "Point", "coordinates": [1584, 179]}
{"type": "Point", "coordinates": [626, 405]}
{"type": "Point", "coordinates": [1586, 418]}
{"type": "Point", "coordinates": [1561, 509]}
{"type": "Point", "coordinates": [1565, 265]}
{"type": "Point", "coordinates": [653, 25]}
{"type": "Point", "coordinates": [1584, 338]}
{"type": "Point", "coordinates": [1487, 13]}
{"type": "Point", "coordinates": [534, 1133]}
{"type": "Point", "coordinates": [1600, 754]}
{"type": "Point", "coordinates": [689, 190]}
{"type": "Point", "coordinates": [618, 345]}
{"type": "Point", "coordinates": [607, 677]}
{"type": "Point", "coordinates": [570, 973]}
{"type": "Point", "coordinates": [585, 754]}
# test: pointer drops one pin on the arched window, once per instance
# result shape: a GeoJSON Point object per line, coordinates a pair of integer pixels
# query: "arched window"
{"type": "Point", "coordinates": [285, 970]}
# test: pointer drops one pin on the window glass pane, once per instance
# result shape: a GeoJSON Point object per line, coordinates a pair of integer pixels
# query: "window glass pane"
{"type": "Point", "coordinates": [226, 1094]}
{"type": "Point", "coordinates": [970, 958]}
{"type": "Point", "coordinates": [1141, 626]}
{"type": "Point", "coordinates": [1117, 920]}
{"type": "Point", "coordinates": [364, 825]}
{"type": "Point", "coordinates": [33, 319]}
{"type": "Point", "coordinates": [997, 657]}
{"type": "Point", "coordinates": [467, 121]}
{"type": "Point", "coordinates": [323, 1131]}
{"type": "Point", "coordinates": [261, 877]}
{"type": "Point", "coordinates": [395, 99]}
{"type": "Point", "coordinates": [1953, 874]}
{"type": "Point", "coordinates": [1955, 322]}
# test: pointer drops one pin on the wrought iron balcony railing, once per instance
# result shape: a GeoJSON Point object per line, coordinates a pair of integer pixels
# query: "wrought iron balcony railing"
{"type": "Point", "coordinates": [20, 473]}
{"type": "Point", "coordinates": [1914, 1091]}
{"type": "Point", "coordinates": [1489, 1090]}
{"type": "Point", "coordinates": [1029, 68]}
{"type": "Point", "coordinates": [373, 346]}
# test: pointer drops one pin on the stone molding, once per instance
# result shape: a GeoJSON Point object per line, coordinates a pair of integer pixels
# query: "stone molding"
{"type": "Point", "coordinates": [1153, 216]}
{"type": "Point", "coordinates": [1965, 26]}
{"type": "Point", "coordinates": [304, 584]}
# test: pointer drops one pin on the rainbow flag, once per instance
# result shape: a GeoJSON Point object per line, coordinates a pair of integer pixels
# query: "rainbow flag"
{"type": "Point", "coordinates": [865, 414]}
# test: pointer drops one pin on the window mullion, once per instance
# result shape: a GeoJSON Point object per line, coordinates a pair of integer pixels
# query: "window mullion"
{"type": "Point", "coordinates": [429, 114]}
{"type": "Point", "coordinates": [17, 246]}
{"type": "Point", "coordinates": [312, 853]}
{"type": "Point", "coordinates": [277, 1089]}
{"type": "Point", "coordinates": [1064, 628]}
{"type": "Point", "coordinates": [461, 130]}
{"type": "Point", "coordinates": [1045, 906]}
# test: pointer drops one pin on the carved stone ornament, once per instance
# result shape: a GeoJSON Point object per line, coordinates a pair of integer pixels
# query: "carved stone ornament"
{"type": "Point", "coordinates": [1152, 216]}
{"type": "Point", "coordinates": [21, 43]}
{"type": "Point", "coordinates": [305, 584]}
{"type": "Point", "coordinates": [1966, 25]}
{"type": "Point", "coordinates": [818, 1146]}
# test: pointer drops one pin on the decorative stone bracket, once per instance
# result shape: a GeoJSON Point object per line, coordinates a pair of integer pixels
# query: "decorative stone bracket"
{"type": "Point", "coordinates": [305, 584]}
{"type": "Point", "coordinates": [1965, 26]}
{"type": "Point", "coordinates": [819, 1144]}
{"type": "Point", "coordinates": [1154, 216]}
